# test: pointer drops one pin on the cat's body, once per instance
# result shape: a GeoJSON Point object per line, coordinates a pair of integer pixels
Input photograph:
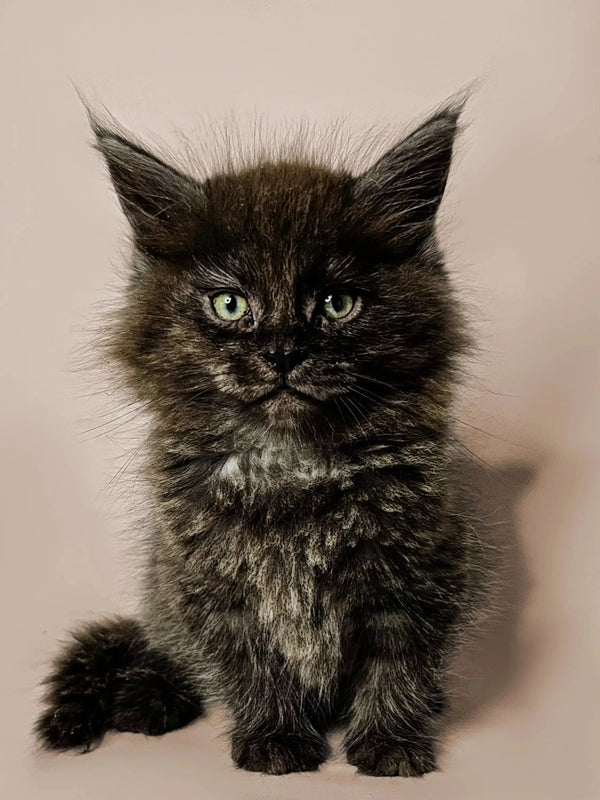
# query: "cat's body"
{"type": "Point", "coordinates": [293, 334]}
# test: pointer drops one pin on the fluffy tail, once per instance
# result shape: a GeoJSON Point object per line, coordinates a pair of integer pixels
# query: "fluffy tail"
{"type": "Point", "coordinates": [108, 678]}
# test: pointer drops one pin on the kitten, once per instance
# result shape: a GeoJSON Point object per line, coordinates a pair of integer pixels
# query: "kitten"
{"type": "Point", "coordinates": [292, 330]}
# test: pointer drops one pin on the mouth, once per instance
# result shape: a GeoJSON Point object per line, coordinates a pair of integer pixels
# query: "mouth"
{"type": "Point", "coordinates": [283, 393]}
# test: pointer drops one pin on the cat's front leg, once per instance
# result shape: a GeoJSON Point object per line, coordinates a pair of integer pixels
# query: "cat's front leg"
{"type": "Point", "coordinates": [398, 701]}
{"type": "Point", "coordinates": [274, 731]}
{"type": "Point", "coordinates": [278, 750]}
{"type": "Point", "coordinates": [274, 728]}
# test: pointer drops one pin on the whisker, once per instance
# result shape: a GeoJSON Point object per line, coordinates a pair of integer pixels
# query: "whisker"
{"type": "Point", "coordinates": [373, 380]}
{"type": "Point", "coordinates": [474, 456]}
{"type": "Point", "coordinates": [372, 397]}
{"type": "Point", "coordinates": [351, 406]}
{"type": "Point", "coordinates": [393, 403]}
{"type": "Point", "coordinates": [124, 418]}
{"type": "Point", "coordinates": [487, 433]}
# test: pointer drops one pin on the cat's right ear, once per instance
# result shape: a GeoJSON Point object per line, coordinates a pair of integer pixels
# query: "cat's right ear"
{"type": "Point", "coordinates": [160, 202]}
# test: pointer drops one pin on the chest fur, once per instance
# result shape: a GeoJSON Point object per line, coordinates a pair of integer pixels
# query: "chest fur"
{"type": "Point", "coordinates": [285, 546]}
{"type": "Point", "coordinates": [279, 522]}
{"type": "Point", "coordinates": [296, 612]}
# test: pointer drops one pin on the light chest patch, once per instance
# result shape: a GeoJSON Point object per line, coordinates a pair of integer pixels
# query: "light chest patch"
{"type": "Point", "coordinates": [279, 463]}
{"type": "Point", "coordinates": [285, 571]}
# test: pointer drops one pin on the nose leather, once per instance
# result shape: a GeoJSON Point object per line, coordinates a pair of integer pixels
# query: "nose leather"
{"type": "Point", "coordinates": [284, 361]}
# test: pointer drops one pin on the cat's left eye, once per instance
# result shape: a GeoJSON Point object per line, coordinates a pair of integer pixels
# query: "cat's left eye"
{"type": "Point", "coordinates": [338, 305]}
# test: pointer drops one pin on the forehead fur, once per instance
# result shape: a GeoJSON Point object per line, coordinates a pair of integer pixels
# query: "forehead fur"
{"type": "Point", "coordinates": [273, 207]}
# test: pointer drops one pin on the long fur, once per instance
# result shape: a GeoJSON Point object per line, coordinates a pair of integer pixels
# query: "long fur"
{"type": "Point", "coordinates": [309, 559]}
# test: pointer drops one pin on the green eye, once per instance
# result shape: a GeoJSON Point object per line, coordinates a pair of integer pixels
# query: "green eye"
{"type": "Point", "coordinates": [338, 306]}
{"type": "Point", "coordinates": [229, 306]}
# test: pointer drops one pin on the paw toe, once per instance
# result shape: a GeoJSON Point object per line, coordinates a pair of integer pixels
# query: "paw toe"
{"type": "Point", "coordinates": [279, 754]}
{"type": "Point", "coordinates": [393, 759]}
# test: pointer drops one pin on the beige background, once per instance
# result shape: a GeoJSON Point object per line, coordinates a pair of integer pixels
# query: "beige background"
{"type": "Point", "coordinates": [521, 227]}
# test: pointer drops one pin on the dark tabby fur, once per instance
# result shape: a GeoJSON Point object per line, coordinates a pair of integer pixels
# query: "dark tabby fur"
{"type": "Point", "coordinates": [309, 561]}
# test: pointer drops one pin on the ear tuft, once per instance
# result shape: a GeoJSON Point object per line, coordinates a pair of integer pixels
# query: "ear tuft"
{"type": "Point", "coordinates": [160, 202]}
{"type": "Point", "coordinates": [398, 197]}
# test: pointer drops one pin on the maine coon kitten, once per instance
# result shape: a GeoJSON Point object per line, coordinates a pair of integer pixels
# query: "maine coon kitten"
{"type": "Point", "coordinates": [292, 330]}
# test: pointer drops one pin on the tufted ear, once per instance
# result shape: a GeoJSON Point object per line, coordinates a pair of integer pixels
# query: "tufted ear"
{"type": "Point", "coordinates": [398, 197]}
{"type": "Point", "coordinates": [161, 203]}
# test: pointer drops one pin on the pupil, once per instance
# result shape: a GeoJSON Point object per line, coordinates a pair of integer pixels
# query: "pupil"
{"type": "Point", "coordinates": [337, 301]}
{"type": "Point", "coordinates": [231, 304]}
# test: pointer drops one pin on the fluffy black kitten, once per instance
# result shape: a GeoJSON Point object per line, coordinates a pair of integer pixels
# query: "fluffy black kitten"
{"type": "Point", "coordinates": [292, 331]}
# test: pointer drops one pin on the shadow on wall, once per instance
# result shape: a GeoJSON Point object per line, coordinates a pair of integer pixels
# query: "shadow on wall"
{"type": "Point", "coordinates": [492, 658]}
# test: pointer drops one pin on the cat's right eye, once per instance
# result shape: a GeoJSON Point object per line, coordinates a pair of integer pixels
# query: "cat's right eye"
{"type": "Point", "coordinates": [230, 307]}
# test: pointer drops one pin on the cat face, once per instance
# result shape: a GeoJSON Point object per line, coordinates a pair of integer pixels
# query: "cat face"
{"type": "Point", "coordinates": [287, 296]}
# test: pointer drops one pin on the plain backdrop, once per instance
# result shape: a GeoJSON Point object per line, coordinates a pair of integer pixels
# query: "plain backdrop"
{"type": "Point", "coordinates": [520, 224]}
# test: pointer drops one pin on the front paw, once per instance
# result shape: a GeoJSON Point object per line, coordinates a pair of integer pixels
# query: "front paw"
{"type": "Point", "coordinates": [278, 753]}
{"type": "Point", "coordinates": [389, 757]}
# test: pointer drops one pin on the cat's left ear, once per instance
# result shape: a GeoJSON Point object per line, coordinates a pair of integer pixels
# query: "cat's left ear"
{"type": "Point", "coordinates": [398, 197]}
{"type": "Point", "coordinates": [160, 202]}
